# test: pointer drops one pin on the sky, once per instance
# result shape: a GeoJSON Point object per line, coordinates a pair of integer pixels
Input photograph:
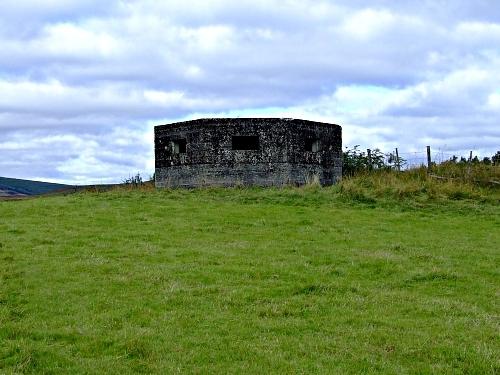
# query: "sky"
{"type": "Point", "coordinates": [82, 83]}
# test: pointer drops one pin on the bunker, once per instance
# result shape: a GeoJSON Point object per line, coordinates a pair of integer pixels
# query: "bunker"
{"type": "Point", "coordinates": [247, 151]}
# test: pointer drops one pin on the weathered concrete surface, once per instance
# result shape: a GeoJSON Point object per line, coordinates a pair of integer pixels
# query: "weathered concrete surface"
{"type": "Point", "coordinates": [288, 151]}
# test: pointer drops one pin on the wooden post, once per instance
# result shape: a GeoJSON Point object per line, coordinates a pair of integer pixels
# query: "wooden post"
{"type": "Point", "coordinates": [429, 161]}
{"type": "Point", "coordinates": [398, 166]}
{"type": "Point", "coordinates": [369, 152]}
{"type": "Point", "coordinates": [469, 166]}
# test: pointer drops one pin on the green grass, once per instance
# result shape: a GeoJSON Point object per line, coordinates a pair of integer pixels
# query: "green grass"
{"type": "Point", "coordinates": [418, 186]}
{"type": "Point", "coordinates": [249, 281]}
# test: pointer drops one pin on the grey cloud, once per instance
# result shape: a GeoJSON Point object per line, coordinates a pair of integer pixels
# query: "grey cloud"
{"type": "Point", "coordinates": [80, 74]}
{"type": "Point", "coordinates": [23, 19]}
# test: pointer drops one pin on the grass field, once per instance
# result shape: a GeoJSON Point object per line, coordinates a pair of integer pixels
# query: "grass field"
{"type": "Point", "coordinates": [249, 281]}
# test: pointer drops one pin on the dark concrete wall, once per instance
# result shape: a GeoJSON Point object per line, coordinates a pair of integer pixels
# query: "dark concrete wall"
{"type": "Point", "coordinates": [282, 157]}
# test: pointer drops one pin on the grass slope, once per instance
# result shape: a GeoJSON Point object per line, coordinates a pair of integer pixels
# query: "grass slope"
{"type": "Point", "coordinates": [29, 187]}
{"type": "Point", "coordinates": [247, 281]}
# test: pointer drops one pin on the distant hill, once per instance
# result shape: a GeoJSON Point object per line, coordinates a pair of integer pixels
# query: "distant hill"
{"type": "Point", "coordinates": [10, 193]}
{"type": "Point", "coordinates": [13, 187]}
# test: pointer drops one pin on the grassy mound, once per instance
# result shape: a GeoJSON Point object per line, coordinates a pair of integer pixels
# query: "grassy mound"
{"type": "Point", "coordinates": [247, 281]}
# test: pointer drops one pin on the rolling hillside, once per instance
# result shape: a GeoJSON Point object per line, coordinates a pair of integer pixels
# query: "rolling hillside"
{"type": "Point", "coordinates": [13, 187]}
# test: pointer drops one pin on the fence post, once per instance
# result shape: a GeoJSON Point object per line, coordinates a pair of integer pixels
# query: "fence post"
{"type": "Point", "coordinates": [469, 165]}
{"type": "Point", "coordinates": [429, 161]}
{"type": "Point", "coordinates": [369, 152]}
{"type": "Point", "coordinates": [398, 166]}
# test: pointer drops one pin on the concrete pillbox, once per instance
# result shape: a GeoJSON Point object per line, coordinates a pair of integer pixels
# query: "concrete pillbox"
{"type": "Point", "coordinates": [247, 151]}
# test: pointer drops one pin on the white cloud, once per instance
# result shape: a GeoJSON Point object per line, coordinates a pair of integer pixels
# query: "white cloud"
{"type": "Point", "coordinates": [368, 23]}
{"type": "Point", "coordinates": [162, 97]}
{"type": "Point", "coordinates": [65, 39]}
{"type": "Point", "coordinates": [494, 102]}
{"type": "Point", "coordinates": [478, 31]}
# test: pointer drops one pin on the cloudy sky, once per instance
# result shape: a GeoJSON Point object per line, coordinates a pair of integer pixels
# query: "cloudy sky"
{"type": "Point", "coordinates": [82, 83]}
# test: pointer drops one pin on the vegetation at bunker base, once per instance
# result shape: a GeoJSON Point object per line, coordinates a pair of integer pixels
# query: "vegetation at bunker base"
{"type": "Point", "coordinates": [310, 280]}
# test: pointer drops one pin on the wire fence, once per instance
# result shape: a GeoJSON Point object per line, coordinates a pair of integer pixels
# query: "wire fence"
{"type": "Point", "coordinates": [409, 160]}
{"type": "Point", "coordinates": [418, 159]}
{"type": "Point", "coordinates": [412, 159]}
{"type": "Point", "coordinates": [439, 164]}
